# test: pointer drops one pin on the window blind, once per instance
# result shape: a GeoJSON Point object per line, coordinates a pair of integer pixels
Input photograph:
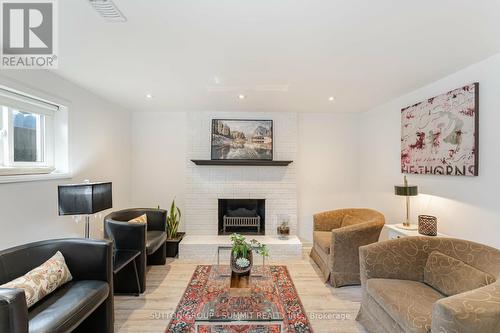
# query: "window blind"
{"type": "Point", "coordinates": [21, 102]}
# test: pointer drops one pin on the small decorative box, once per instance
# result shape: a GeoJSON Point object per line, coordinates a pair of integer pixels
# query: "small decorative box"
{"type": "Point", "coordinates": [427, 225]}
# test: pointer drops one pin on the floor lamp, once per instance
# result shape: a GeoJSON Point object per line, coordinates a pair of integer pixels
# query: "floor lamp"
{"type": "Point", "coordinates": [84, 199]}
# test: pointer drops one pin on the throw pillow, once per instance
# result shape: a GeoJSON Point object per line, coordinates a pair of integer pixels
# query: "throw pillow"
{"type": "Point", "coordinates": [350, 220]}
{"type": "Point", "coordinates": [42, 280]}
{"type": "Point", "coordinates": [451, 276]}
{"type": "Point", "coordinates": [143, 219]}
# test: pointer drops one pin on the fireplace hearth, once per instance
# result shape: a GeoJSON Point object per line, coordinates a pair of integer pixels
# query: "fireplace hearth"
{"type": "Point", "coordinates": [243, 216]}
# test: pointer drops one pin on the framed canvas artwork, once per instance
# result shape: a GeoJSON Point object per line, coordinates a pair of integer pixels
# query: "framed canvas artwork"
{"type": "Point", "coordinates": [236, 139]}
{"type": "Point", "coordinates": [439, 136]}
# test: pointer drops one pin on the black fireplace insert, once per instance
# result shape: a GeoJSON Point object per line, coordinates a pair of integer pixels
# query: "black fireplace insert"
{"type": "Point", "coordinates": [243, 216]}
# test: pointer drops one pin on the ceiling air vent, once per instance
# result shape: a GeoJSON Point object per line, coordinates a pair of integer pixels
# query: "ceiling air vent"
{"type": "Point", "coordinates": [108, 10]}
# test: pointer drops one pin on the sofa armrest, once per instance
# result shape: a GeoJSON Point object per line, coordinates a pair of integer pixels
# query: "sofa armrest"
{"type": "Point", "coordinates": [346, 242]}
{"type": "Point", "coordinates": [474, 311]}
{"type": "Point", "coordinates": [88, 259]}
{"type": "Point", "coordinates": [157, 219]}
{"type": "Point", "coordinates": [126, 236]}
{"type": "Point", "coordinates": [402, 258]}
{"type": "Point", "coordinates": [13, 311]}
{"type": "Point", "coordinates": [327, 221]}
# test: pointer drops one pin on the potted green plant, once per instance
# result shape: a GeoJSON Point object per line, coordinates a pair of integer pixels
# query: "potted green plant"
{"type": "Point", "coordinates": [242, 253]}
{"type": "Point", "coordinates": [173, 236]}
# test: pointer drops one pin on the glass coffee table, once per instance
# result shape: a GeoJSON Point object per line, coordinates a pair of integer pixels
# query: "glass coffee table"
{"type": "Point", "coordinates": [256, 309]}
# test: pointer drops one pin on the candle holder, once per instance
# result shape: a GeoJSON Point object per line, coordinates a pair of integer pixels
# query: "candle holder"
{"type": "Point", "coordinates": [427, 225]}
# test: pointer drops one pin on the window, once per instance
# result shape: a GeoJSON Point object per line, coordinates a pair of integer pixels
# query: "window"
{"type": "Point", "coordinates": [27, 134]}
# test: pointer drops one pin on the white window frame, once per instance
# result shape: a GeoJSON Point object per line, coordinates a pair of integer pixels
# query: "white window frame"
{"type": "Point", "coordinates": [43, 141]}
{"type": "Point", "coordinates": [10, 101]}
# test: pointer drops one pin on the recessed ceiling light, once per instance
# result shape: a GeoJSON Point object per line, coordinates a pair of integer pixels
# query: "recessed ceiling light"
{"type": "Point", "coordinates": [241, 96]}
{"type": "Point", "coordinates": [149, 96]}
{"type": "Point", "coordinates": [331, 98]}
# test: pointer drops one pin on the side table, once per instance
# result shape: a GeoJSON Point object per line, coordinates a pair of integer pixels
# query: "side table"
{"type": "Point", "coordinates": [125, 276]}
{"type": "Point", "coordinates": [393, 232]}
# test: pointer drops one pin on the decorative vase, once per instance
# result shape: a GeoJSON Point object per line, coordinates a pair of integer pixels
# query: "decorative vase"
{"type": "Point", "coordinates": [427, 225]}
{"type": "Point", "coordinates": [239, 270]}
{"type": "Point", "coordinates": [283, 231]}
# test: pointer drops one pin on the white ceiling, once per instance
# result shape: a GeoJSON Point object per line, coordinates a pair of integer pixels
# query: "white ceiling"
{"type": "Point", "coordinates": [284, 55]}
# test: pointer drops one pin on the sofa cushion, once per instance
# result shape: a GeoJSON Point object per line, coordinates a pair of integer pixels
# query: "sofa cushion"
{"type": "Point", "coordinates": [143, 219]}
{"type": "Point", "coordinates": [349, 220]}
{"type": "Point", "coordinates": [323, 240]}
{"type": "Point", "coordinates": [451, 276]}
{"type": "Point", "coordinates": [409, 303]}
{"type": "Point", "coordinates": [154, 239]}
{"type": "Point", "coordinates": [42, 280]}
{"type": "Point", "coordinates": [67, 307]}
{"type": "Point", "coordinates": [374, 318]}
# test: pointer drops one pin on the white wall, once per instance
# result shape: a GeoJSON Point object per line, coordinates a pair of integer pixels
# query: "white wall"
{"type": "Point", "coordinates": [466, 207]}
{"type": "Point", "coordinates": [328, 165]}
{"type": "Point", "coordinates": [99, 140]}
{"type": "Point", "coordinates": [158, 159]}
{"type": "Point", "coordinates": [325, 151]}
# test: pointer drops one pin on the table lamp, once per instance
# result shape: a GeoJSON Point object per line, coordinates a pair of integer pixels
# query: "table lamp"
{"type": "Point", "coordinates": [84, 199]}
{"type": "Point", "coordinates": [407, 191]}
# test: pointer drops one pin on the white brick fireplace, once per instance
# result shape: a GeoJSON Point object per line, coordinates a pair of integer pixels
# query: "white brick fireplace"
{"type": "Point", "coordinates": [206, 184]}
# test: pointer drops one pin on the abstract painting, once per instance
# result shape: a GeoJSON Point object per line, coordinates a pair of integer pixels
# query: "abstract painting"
{"type": "Point", "coordinates": [439, 136]}
{"type": "Point", "coordinates": [234, 139]}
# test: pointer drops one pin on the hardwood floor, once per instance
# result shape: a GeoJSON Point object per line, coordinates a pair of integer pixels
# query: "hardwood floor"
{"type": "Point", "coordinates": [330, 310]}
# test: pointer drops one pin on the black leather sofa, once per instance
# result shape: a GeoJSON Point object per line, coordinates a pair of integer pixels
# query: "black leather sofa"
{"type": "Point", "coordinates": [84, 304]}
{"type": "Point", "coordinates": [150, 240]}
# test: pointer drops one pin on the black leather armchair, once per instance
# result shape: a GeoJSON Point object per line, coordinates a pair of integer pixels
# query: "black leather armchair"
{"type": "Point", "coordinates": [84, 304]}
{"type": "Point", "coordinates": [149, 240]}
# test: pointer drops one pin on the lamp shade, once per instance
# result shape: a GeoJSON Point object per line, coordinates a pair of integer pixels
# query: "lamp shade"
{"type": "Point", "coordinates": [407, 191]}
{"type": "Point", "coordinates": [85, 198]}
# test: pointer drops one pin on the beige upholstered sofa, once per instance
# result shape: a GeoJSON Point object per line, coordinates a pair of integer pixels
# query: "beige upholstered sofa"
{"type": "Point", "coordinates": [427, 284]}
{"type": "Point", "coordinates": [337, 236]}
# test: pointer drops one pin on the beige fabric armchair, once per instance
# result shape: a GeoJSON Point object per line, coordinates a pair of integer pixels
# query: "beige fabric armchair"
{"type": "Point", "coordinates": [335, 247]}
{"type": "Point", "coordinates": [430, 284]}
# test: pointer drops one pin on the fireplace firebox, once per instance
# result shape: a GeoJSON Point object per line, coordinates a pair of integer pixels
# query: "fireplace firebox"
{"type": "Point", "coordinates": [243, 216]}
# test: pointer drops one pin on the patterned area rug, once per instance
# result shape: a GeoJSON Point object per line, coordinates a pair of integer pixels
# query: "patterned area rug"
{"type": "Point", "coordinates": [239, 329]}
{"type": "Point", "coordinates": [206, 291]}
